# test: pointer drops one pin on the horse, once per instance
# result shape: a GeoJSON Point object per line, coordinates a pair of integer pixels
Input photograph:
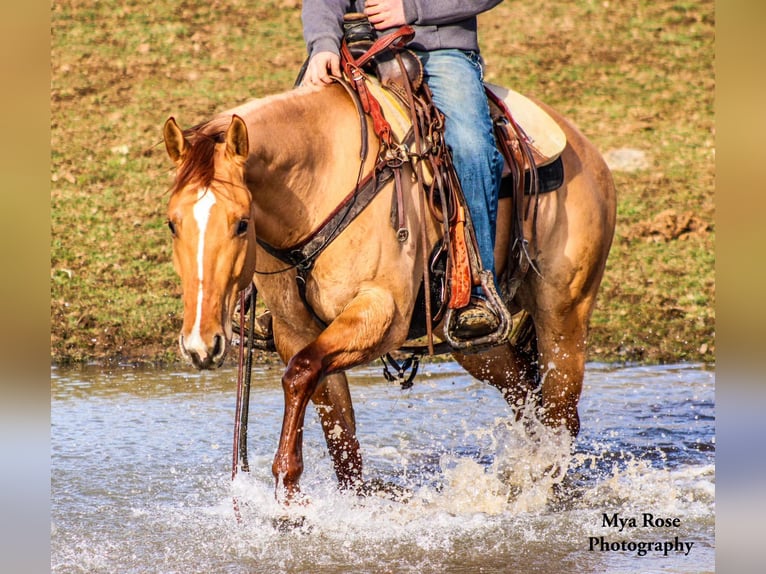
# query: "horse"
{"type": "Point", "coordinates": [271, 170]}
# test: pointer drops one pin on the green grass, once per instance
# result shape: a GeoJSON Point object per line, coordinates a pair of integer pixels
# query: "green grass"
{"type": "Point", "coordinates": [636, 75]}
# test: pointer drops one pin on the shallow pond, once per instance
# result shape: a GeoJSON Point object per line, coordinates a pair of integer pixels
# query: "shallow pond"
{"type": "Point", "coordinates": [141, 477]}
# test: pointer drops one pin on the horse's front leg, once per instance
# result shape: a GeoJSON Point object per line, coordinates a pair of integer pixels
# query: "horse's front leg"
{"type": "Point", "coordinates": [333, 403]}
{"type": "Point", "coordinates": [353, 338]}
{"type": "Point", "coordinates": [299, 383]}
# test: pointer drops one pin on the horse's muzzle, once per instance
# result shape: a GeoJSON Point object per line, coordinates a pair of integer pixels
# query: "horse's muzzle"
{"type": "Point", "coordinates": [202, 356]}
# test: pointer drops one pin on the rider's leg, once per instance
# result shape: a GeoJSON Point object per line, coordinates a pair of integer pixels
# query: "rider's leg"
{"type": "Point", "coordinates": [456, 81]}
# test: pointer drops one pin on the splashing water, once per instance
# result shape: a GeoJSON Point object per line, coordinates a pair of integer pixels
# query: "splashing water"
{"type": "Point", "coordinates": [140, 480]}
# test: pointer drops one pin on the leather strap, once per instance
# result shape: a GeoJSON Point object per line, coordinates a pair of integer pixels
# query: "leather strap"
{"type": "Point", "coordinates": [370, 105]}
{"type": "Point", "coordinates": [397, 39]}
{"type": "Point", "coordinates": [460, 276]}
{"type": "Point", "coordinates": [303, 254]}
{"type": "Point", "coordinates": [352, 67]}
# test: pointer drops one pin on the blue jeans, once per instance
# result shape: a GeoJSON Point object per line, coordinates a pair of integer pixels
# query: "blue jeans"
{"type": "Point", "coordinates": [455, 78]}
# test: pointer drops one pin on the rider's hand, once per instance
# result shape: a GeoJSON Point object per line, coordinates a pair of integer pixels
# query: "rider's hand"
{"type": "Point", "coordinates": [384, 14]}
{"type": "Point", "coordinates": [321, 66]}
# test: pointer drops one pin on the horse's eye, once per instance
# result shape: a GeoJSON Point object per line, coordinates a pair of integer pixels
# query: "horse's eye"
{"type": "Point", "coordinates": [242, 227]}
{"type": "Point", "coordinates": [172, 228]}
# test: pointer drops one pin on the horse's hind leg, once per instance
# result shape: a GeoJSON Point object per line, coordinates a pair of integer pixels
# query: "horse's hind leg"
{"type": "Point", "coordinates": [561, 343]}
{"type": "Point", "coordinates": [552, 377]}
{"type": "Point", "coordinates": [511, 371]}
{"type": "Point", "coordinates": [333, 403]}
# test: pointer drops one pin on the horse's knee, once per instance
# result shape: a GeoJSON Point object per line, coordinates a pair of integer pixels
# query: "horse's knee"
{"type": "Point", "coordinates": [301, 375]}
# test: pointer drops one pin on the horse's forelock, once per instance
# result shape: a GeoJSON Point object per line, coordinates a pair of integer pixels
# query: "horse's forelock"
{"type": "Point", "coordinates": [198, 166]}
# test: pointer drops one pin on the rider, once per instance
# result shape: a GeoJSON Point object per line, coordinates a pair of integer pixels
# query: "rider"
{"type": "Point", "coordinates": [446, 42]}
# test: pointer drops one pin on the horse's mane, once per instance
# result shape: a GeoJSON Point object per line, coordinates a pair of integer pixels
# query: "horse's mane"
{"type": "Point", "coordinates": [198, 166]}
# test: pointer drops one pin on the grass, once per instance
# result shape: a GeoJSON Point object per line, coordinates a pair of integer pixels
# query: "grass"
{"type": "Point", "coordinates": [631, 75]}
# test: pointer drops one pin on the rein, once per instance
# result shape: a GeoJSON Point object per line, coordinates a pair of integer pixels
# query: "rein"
{"type": "Point", "coordinates": [244, 377]}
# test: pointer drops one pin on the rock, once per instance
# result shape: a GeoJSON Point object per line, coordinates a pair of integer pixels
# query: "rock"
{"type": "Point", "coordinates": [626, 159]}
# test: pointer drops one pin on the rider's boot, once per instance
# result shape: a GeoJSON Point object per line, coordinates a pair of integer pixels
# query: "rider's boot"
{"type": "Point", "coordinates": [477, 319]}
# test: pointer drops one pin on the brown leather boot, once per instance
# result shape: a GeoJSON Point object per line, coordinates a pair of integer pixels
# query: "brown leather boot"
{"type": "Point", "coordinates": [475, 320]}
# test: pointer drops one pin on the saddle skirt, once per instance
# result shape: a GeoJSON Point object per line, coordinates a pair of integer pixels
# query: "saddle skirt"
{"type": "Point", "coordinates": [544, 136]}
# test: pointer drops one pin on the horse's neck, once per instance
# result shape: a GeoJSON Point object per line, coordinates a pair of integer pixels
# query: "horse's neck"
{"type": "Point", "coordinates": [304, 158]}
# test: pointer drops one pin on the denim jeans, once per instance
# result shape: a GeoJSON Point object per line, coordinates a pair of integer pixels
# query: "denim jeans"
{"type": "Point", "coordinates": [455, 78]}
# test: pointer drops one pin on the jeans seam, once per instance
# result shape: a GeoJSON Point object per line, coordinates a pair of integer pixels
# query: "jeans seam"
{"type": "Point", "coordinates": [475, 59]}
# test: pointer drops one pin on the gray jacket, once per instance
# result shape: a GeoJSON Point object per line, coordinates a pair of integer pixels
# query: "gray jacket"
{"type": "Point", "coordinates": [438, 24]}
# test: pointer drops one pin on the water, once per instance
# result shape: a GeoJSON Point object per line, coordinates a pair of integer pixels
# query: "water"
{"type": "Point", "coordinates": [141, 477]}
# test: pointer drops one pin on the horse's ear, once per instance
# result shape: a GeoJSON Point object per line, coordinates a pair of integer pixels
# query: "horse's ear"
{"type": "Point", "coordinates": [175, 142]}
{"type": "Point", "coordinates": [236, 138]}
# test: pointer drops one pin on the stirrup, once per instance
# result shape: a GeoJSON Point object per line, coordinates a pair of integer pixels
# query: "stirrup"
{"type": "Point", "coordinates": [497, 337]}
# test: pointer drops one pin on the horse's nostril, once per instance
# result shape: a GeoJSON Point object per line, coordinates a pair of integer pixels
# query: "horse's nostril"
{"type": "Point", "coordinates": [181, 345]}
{"type": "Point", "coordinates": [218, 346]}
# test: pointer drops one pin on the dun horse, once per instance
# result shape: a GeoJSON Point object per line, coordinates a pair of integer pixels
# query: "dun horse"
{"type": "Point", "coordinates": [275, 168]}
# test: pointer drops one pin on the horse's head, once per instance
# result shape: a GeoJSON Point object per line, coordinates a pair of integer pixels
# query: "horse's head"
{"type": "Point", "coordinates": [210, 216]}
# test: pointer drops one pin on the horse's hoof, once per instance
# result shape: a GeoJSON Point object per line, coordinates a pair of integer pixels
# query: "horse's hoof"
{"type": "Point", "coordinates": [285, 524]}
{"type": "Point", "coordinates": [377, 487]}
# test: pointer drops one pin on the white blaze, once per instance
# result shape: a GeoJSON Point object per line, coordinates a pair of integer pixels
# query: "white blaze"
{"type": "Point", "coordinates": [205, 202]}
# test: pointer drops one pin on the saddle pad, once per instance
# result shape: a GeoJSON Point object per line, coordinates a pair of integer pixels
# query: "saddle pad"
{"type": "Point", "coordinates": [545, 136]}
